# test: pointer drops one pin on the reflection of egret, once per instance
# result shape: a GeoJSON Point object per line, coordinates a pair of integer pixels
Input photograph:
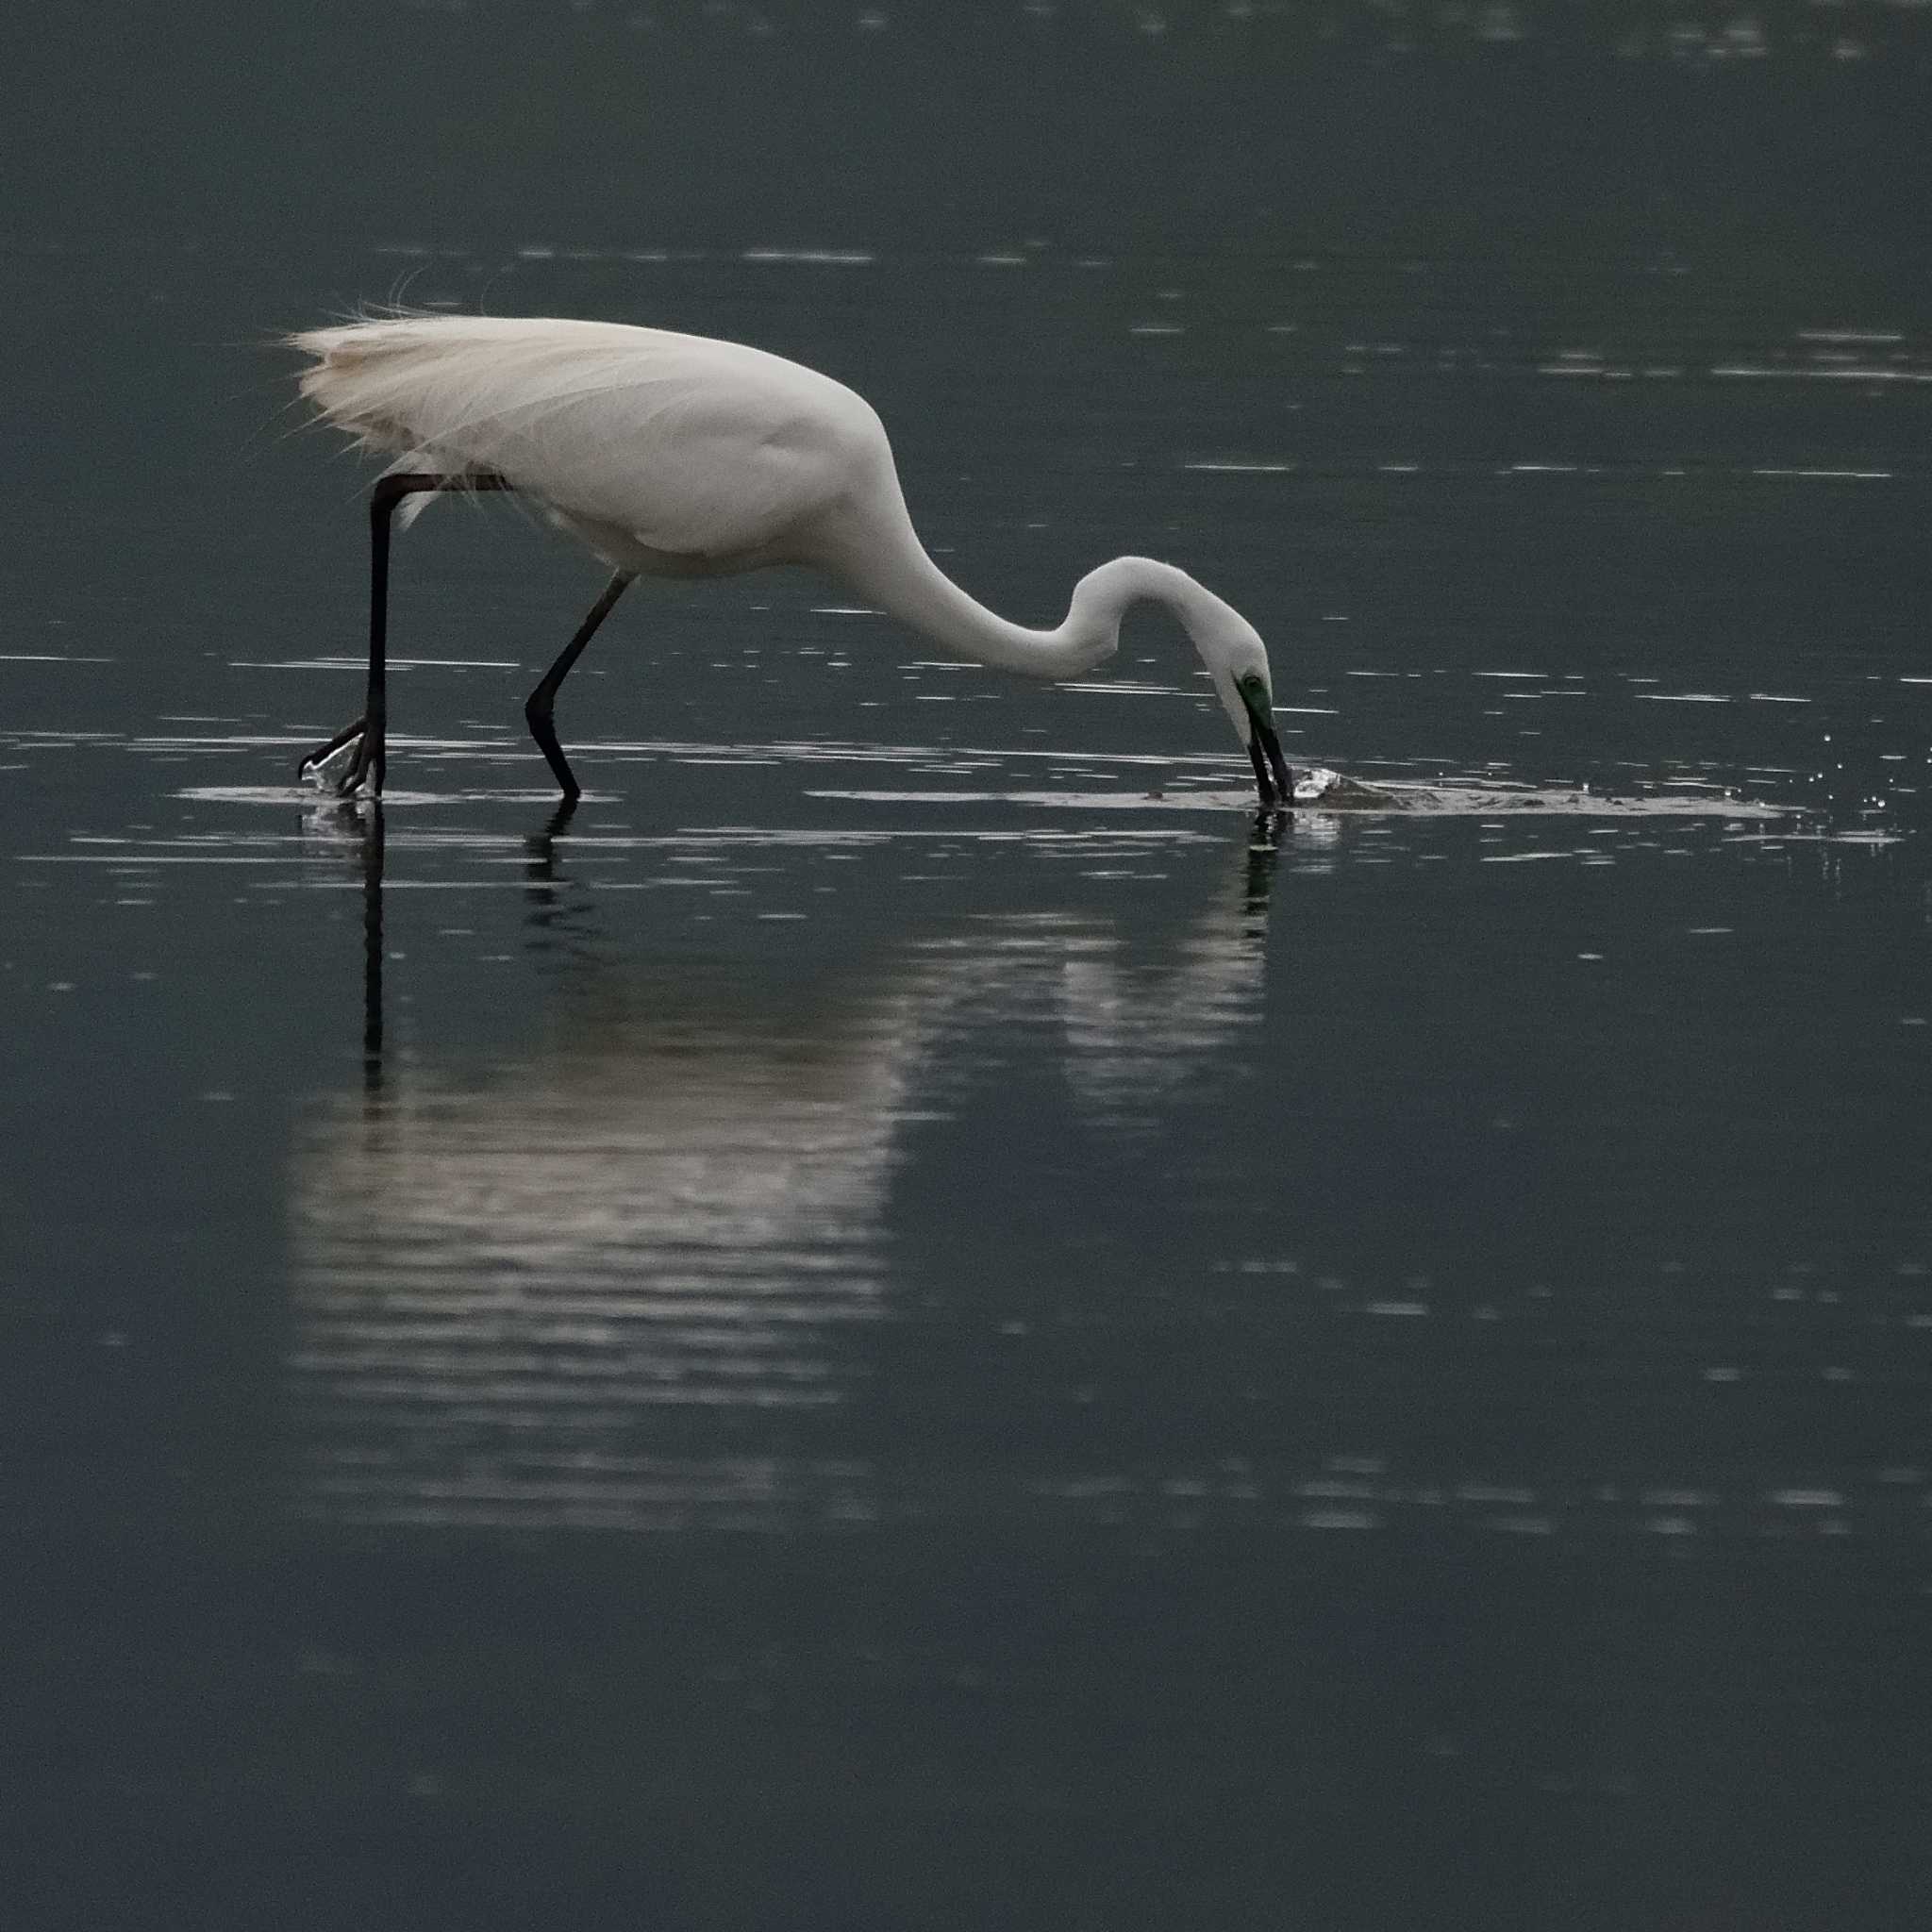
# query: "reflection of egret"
{"type": "Point", "coordinates": [676, 456]}
{"type": "Point", "coordinates": [1135, 1033]}
{"type": "Point", "coordinates": [557, 1295]}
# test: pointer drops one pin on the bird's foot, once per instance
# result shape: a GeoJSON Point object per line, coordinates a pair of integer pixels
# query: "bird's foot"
{"type": "Point", "coordinates": [364, 773]}
{"type": "Point", "coordinates": [362, 768]}
{"type": "Point", "coordinates": [311, 766]}
{"type": "Point", "coordinates": [359, 770]}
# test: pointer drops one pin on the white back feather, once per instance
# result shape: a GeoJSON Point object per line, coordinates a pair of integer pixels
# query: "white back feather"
{"type": "Point", "coordinates": [689, 446]}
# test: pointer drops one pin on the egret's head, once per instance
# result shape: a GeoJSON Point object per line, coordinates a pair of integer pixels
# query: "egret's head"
{"type": "Point", "coordinates": [1238, 662]}
{"type": "Point", "coordinates": [1232, 650]}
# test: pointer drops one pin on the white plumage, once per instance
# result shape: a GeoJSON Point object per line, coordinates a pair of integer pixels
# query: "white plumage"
{"type": "Point", "coordinates": [654, 446]}
{"type": "Point", "coordinates": [677, 456]}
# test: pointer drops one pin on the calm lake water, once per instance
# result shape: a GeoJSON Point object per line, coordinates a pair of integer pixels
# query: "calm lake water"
{"type": "Point", "coordinates": [908, 1319]}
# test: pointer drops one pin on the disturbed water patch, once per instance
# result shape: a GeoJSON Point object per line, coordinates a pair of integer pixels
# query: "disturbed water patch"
{"type": "Point", "coordinates": [1448, 799]}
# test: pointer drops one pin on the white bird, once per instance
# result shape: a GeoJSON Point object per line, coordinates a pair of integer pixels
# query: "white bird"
{"type": "Point", "coordinates": [677, 456]}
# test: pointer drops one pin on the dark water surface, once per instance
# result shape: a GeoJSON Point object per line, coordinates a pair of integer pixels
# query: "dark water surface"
{"type": "Point", "coordinates": [910, 1321]}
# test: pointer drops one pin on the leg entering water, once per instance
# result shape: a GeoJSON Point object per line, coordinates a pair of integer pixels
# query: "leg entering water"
{"type": "Point", "coordinates": [543, 701]}
{"type": "Point", "coordinates": [368, 732]}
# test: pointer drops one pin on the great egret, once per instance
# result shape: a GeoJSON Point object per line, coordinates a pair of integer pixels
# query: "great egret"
{"type": "Point", "coordinates": [677, 456]}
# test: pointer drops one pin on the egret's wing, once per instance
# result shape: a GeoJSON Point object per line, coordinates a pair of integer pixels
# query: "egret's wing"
{"type": "Point", "coordinates": [690, 445]}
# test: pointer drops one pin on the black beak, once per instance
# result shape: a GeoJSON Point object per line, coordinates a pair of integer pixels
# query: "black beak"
{"type": "Point", "coordinates": [1272, 780]}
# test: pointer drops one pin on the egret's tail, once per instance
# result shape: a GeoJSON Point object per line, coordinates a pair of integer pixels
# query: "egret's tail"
{"type": "Point", "coordinates": [361, 378]}
{"type": "Point", "coordinates": [372, 380]}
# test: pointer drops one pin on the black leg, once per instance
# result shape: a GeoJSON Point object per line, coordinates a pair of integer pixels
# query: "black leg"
{"type": "Point", "coordinates": [369, 731]}
{"type": "Point", "coordinates": [543, 701]}
{"type": "Point", "coordinates": [368, 761]}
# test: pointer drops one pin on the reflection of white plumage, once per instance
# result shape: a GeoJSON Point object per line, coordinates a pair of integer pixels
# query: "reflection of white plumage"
{"type": "Point", "coordinates": [676, 456]}
{"type": "Point", "coordinates": [557, 1295]}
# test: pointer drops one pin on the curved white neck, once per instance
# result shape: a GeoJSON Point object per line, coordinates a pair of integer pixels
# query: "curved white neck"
{"type": "Point", "coordinates": [890, 567]}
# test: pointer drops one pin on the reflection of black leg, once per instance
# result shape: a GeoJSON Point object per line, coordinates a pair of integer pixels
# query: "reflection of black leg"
{"type": "Point", "coordinates": [541, 702]}
{"type": "Point", "coordinates": [542, 845]}
{"type": "Point", "coordinates": [1264, 853]}
{"type": "Point", "coordinates": [540, 849]}
{"type": "Point", "coordinates": [372, 949]}
{"type": "Point", "coordinates": [562, 916]}
{"type": "Point", "coordinates": [369, 730]}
